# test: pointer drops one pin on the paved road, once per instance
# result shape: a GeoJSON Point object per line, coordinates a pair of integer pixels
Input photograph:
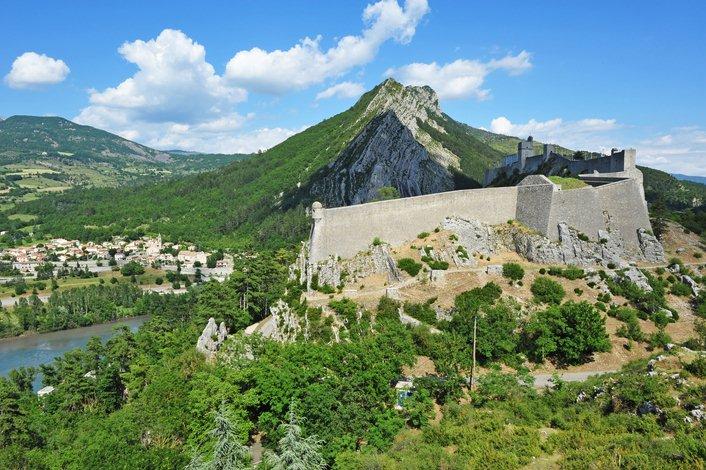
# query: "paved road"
{"type": "Point", "coordinates": [545, 380]}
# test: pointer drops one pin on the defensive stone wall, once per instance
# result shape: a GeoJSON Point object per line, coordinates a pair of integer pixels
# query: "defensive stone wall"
{"type": "Point", "coordinates": [622, 162]}
{"type": "Point", "coordinates": [617, 204]}
{"type": "Point", "coordinates": [344, 231]}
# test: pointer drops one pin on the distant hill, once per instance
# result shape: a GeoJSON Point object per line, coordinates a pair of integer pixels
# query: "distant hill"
{"type": "Point", "coordinates": [695, 179]}
{"type": "Point", "coordinates": [394, 141]}
{"type": "Point", "coordinates": [27, 136]}
{"type": "Point", "coordinates": [673, 193]}
{"type": "Point", "coordinates": [47, 155]}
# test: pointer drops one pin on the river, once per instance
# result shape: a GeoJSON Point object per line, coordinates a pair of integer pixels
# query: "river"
{"type": "Point", "coordinates": [33, 350]}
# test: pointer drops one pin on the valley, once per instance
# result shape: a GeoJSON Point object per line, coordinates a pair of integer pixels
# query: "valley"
{"type": "Point", "coordinates": [361, 287]}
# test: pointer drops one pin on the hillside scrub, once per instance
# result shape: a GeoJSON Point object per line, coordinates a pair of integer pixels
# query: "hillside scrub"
{"type": "Point", "coordinates": [409, 266]}
{"type": "Point", "coordinates": [567, 334]}
{"type": "Point", "coordinates": [548, 291]}
{"type": "Point", "coordinates": [513, 271]}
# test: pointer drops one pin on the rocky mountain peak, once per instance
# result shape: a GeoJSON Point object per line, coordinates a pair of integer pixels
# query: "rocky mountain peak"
{"type": "Point", "coordinates": [408, 102]}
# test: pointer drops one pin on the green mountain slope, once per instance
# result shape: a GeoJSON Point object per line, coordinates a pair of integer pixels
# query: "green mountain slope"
{"type": "Point", "coordinates": [681, 201]}
{"type": "Point", "coordinates": [263, 200]}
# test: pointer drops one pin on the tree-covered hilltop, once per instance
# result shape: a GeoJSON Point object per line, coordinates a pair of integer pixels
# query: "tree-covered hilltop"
{"type": "Point", "coordinates": [262, 200]}
{"type": "Point", "coordinates": [681, 201]}
{"type": "Point", "coordinates": [326, 397]}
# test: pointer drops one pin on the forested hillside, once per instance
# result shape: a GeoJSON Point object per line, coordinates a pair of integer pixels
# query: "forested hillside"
{"type": "Point", "coordinates": [681, 201]}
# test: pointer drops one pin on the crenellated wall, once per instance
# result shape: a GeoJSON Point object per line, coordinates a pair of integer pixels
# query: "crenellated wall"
{"type": "Point", "coordinates": [536, 202]}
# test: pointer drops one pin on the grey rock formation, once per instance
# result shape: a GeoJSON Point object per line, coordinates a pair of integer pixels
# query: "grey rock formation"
{"type": "Point", "coordinates": [377, 260]}
{"type": "Point", "coordinates": [648, 408]}
{"type": "Point", "coordinates": [473, 235]}
{"type": "Point", "coordinates": [211, 338]}
{"type": "Point", "coordinates": [570, 249]}
{"type": "Point", "coordinates": [695, 289]}
{"type": "Point", "coordinates": [635, 275]}
{"type": "Point", "coordinates": [437, 276]}
{"type": "Point", "coordinates": [494, 269]}
{"type": "Point", "coordinates": [652, 249]}
{"type": "Point", "coordinates": [384, 154]}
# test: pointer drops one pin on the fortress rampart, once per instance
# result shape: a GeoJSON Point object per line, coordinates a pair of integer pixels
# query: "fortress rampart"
{"type": "Point", "coordinates": [614, 204]}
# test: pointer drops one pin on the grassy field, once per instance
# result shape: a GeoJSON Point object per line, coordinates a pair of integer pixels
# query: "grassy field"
{"type": "Point", "coordinates": [146, 279]}
{"type": "Point", "coordinates": [567, 183]}
{"type": "Point", "coordinates": [22, 217]}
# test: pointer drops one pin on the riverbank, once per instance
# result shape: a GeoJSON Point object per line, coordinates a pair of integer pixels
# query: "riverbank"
{"type": "Point", "coordinates": [41, 348]}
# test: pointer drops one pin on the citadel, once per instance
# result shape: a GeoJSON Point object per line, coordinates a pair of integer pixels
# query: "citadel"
{"type": "Point", "coordinates": [610, 211]}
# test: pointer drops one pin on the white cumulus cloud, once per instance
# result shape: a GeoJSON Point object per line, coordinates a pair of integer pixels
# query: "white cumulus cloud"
{"type": "Point", "coordinates": [342, 90]}
{"type": "Point", "coordinates": [306, 64]}
{"type": "Point", "coordinates": [174, 100]}
{"type": "Point", "coordinates": [682, 150]}
{"type": "Point", "coordinates": [584, 134]}
{"type": "Point", "coordinates": [461, 78]}
{"type": "Point", "coordinates": [32, 70]}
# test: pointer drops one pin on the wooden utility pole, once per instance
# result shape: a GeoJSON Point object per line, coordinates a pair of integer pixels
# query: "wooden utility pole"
{"type": "Point", "coordinates": [473, 367]}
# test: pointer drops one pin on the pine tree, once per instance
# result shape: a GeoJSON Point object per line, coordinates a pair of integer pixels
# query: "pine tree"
{"type": "Point", "coordinates": [296, 452]}
{"type": "Point", "coordinates": [228, 454]}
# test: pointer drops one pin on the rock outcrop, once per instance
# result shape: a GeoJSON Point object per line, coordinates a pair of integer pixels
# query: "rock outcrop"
{"type": "Point", "coordinates": [211, 339]}
{"type": "Point", "coordinates": [652, 249]}
{"type": "Point", "coordinates": [376, 260]}
{"type": "Point", "coordinates": [571, 248]}
{"type": "Point", "coordinates": [473, 235]}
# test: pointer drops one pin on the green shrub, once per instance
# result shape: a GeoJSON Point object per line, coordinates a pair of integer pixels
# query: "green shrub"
{"type": "Point", "coordinates": [437, 264]}
{"type": "Point", "coordinates": [569, 333]}
{"type": "Point", "coordinates": [578, 291]}
{"type": "Point", "coordinates": [513, 271]}
{"type": "Point", "coordinates": [377, 241]}
{"type": "Point", "coordinates": [326, 289]}
{"type": "Point", "coordinates": [680, 289]}
{"type": "Point", "coordinates": [547, 291]}
{"type": "Point", "coordinates": [423, 235]}
{"type": "Point", "coordinates": [132, 268]}
{"type": "Point", "coordinates": [542, 271]}
{"type": "Point", "coordinates": [583, 237]}
{"type": "Point", "coordinates": [409, 266]}
{"type": "Point", "coordinates": [470, 301]}
{"type": "Point", "coordinates": [631, 328]}
{"type": "Point", "coordinates": [659, 339]}
{"type": "Point", "coordinates": [697, 367]}
{"type": "Point", "coordinates": [573, 273]}
{"type": "Point", "coordinates": [422, 312]}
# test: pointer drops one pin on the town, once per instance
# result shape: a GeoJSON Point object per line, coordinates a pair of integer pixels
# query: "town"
{"type": "Point", "coordinates": [59, 257]}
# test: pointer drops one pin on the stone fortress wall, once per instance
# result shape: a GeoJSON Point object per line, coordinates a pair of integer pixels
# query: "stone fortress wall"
{"type": "Point", "coordinates": [614, 203]}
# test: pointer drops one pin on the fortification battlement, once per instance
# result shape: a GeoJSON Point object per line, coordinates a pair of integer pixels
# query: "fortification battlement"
{"type": "Point", "coordinates": [615, 204]}
{"type": "Point", "coordinates": [619, 162]}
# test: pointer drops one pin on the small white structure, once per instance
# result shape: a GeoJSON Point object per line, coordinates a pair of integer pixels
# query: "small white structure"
{"type": "Point", "coordinates": [45, 391]}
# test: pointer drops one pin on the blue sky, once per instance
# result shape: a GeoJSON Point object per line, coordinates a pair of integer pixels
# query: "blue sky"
{"type": "Point", "coordinates": [238, 76]}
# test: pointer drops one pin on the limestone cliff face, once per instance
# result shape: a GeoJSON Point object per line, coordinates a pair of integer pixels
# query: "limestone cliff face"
{"type": "Point", "coordinates": [400, 138]}
{"type": "Point", "coordinates": [384, 154]}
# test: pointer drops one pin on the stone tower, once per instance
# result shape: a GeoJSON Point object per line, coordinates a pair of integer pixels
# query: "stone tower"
{"type": "Point", "coordinates": [524, 151]}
